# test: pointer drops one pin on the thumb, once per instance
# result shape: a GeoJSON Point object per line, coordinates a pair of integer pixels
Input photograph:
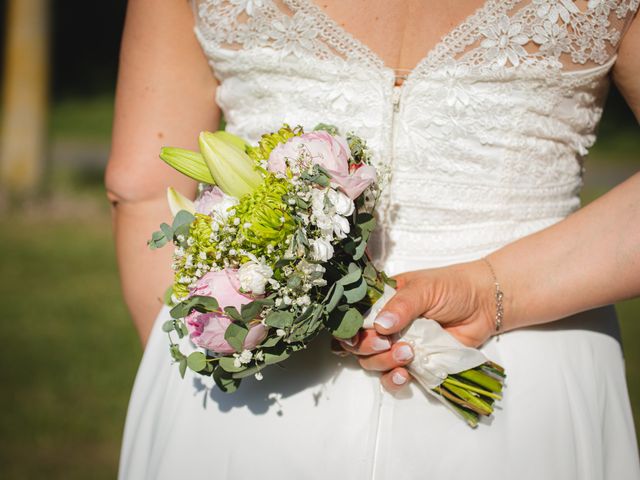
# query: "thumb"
{"type": "Point", "coordinates": [405, 306]}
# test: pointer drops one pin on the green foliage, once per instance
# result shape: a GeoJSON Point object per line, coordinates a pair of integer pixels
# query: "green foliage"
{"type": "Point", "coordinates": [235, 334]}
{"type": "Point", "coordinates": [279, 319]}
{"type": "Point", "coordinates": [345, 324]}
{"type": "Point", "coordinates": [197, 361]}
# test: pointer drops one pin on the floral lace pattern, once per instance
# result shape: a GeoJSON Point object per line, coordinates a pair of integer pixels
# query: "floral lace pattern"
{"type": "Point", "coordinates": [495, 36]}
{"type": "Point", "coordinates": [484, 141]}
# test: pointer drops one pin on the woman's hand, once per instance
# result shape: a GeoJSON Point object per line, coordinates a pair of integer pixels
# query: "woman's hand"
{"type": "Point", "coordinates": [460, 297]}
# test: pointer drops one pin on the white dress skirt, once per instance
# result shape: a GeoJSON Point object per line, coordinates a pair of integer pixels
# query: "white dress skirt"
{"type": "Point", "coordinates": [484, 142]}
{"type": "Point", "coordinates": [565, 415]}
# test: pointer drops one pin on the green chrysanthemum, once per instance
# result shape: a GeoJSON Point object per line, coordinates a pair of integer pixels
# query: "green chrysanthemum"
{"type": "Point", "coordinates": [200, 230]}
{"type": "Point", "coordinates": [264, 217]}
{"type": "Point", "coordinates": [269, 141]}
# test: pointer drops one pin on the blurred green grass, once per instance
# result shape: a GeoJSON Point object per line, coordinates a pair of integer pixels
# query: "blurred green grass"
{"type": "Point", "coordinates": [71, 358]}
{"type": "Point", "coordinates": [69, 353]}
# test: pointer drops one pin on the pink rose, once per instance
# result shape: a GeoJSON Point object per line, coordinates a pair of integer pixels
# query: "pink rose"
{"type": "Point", "coordinates": [207, 329]}
{"type": "Point", "coordinates": [331, 153]}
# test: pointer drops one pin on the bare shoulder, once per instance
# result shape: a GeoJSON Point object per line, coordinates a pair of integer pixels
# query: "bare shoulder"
{"type": "Point", "coordinates": [626, 72]}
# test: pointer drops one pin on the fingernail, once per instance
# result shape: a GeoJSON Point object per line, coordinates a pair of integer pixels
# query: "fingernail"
{"type": "Point", "coordinates": [403, 353]}
{"type": "Point", "coordinates": [351, 341]}
{"type": "Point", "coordinates": [398, 379]}
{"type": "Point", "coordinates": [386, 320]}
{"type": "Point", "coordinates": [380, 344]}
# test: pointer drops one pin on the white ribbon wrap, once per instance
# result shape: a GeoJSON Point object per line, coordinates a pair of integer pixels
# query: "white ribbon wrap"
{"type": "Point", "coordinates": [436, 353]}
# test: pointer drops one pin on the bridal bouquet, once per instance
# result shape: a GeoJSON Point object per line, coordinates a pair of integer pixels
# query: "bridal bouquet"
{"type": "Point", "coordinates": [273, 251]}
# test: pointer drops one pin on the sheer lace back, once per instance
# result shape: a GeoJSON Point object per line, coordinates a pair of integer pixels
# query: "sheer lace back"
{"type": "Point", "coordinates": [483, 141]}
{"type": "Point", "coordinates": [500, 34]}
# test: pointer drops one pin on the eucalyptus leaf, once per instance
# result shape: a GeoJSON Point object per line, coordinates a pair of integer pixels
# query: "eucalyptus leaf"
{"type": "Point", "coordinates": [197, 361]}
{"type": "Point", "coordinates": [353, 276]}
{"type": "Point", "coordinates": [348, 324]}
{"type": "Point", "coordinates": [249, 371]}
{"type": "Point", "coordinates": [168, 326]}
{"type": "Point", "coordinates": [360, 249]}
{"type": "Point", "coordinates": [158, 240]}
{"type": "Point", "coordinates": [225, 382]}
{"type": "Point", "coordinates": [205, 304]}
{"type": "Point", "coordinates": [227, 364]}
{"type": "Point", "coordinates": [182, 366]}
{"type": "Point", "coordinates": [279, 319]}
{"type": "Point", "coordinates": [370, 272]}
{"type": "Point", "coordinates": [270, 341]}
{"type": "Point", "coordinates": [232, 312]}
{"type": "Point", "coordinates": [235, 334]}
{"type": "Point", "coordinates": [366, 222]}
{"type": "Point", "coordinates": [249, 311]}
{"type": "Point", "coordinates": [338, 291]}
{"type": "Point", "coordinates": [176, 354]}
{"type": "Point", "coordinates": [356, 294]}
{"type": "Point", "coordinates": [271, 358]}
{"type": "Point", "coordinates": [166, 230]}
{"type": "Point", "coordinates": [182, 218]}
{"type": "Point", "coordinates": [183, 329]}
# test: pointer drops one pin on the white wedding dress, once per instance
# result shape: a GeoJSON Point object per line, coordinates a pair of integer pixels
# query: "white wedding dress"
{"type": "Point", "coordinates": [484, 141]}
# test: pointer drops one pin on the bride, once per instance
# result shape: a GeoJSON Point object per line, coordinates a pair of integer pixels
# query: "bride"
{"type": "Point", "coordinates": [483, 111]}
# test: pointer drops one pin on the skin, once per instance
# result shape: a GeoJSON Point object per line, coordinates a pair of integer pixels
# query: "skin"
{"type": "Point", "coordinates": [559, 271]}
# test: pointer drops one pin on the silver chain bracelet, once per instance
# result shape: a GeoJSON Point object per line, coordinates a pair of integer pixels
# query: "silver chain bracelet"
{"type": "Point", "coordinates": [499, 296]}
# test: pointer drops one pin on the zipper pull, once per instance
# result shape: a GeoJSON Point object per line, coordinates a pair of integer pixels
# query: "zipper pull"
{"type": "Point", "coordinates": [396, 98]}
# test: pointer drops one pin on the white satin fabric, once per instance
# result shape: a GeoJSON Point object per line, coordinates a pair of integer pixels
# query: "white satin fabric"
{"type": "Point", "coordinates": [483, 143]}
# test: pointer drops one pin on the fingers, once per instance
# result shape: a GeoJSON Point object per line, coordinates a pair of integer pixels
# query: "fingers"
{"type": "Point", "coordinates": [404, 307]}
{"type": "Point", "coordinates": [395, 380]}
{"type": "Point", "coordinates": [399, 355]}
{"type": "Point", "coordinates": [366, 342]}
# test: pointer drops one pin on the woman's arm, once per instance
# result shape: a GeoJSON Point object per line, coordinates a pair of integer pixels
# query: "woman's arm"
{"type": "Point", "coordinates": [590, 259]}
{"type": "Point", "coordinates": [165, 96]}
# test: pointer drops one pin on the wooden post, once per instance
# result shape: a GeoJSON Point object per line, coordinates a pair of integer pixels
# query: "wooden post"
{"type": "Point", "coordinates": [24, 115]}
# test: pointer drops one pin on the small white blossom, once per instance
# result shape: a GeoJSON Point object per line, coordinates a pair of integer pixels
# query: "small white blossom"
{"type": "Point", "coordinates": [303, 300]}
{"type": "Point", "coordinates": [236, 221]}
{"type": "Point", "coordinates": [280, 332]}
{"type": "Point", "coordinates": [259, 356]}
{"type": "Point", "coordinates": [191, 241]}
{"type": "Point", "coordinates": [342, 204]}
{"type": "Point", "coordinates": [259, 376]}
{"type": "Point", "coordinates": [245, 356]}
{"type": "Point", "coordinates": [321, 249]}
{"type": "Point", "coordinates": [341, 226]}
{"type": "Point", "coordinates": [287, 300]}
{"type": "Point", "coordinates": [254, 275]}
{"type": "Point", "coordinates": [203, 255]}
{"type": "Point", "coordinates": [180, 238]}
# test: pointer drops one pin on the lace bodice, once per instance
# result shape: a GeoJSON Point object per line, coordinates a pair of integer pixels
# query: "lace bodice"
{"type": "Point", "coordinates": [483, 142]}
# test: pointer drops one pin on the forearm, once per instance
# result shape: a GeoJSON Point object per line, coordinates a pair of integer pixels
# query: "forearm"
{"type": "Point", "coordinates": [591, 258]}
{"type": "Point", "coordinates": [165, 96]}
{"type": "Point", "coordinates": [145, 274]}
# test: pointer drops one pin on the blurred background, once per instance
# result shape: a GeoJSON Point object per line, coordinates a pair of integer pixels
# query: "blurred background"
{"type": "Point", "coordinates": [70, 352]}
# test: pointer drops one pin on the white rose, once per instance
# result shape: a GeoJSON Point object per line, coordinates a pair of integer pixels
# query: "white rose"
{"type": "Point", "coordinates": [253, 276]}
{"type": "Point", "coordinates": [321, 249]}
{"type": "Point", "coordinates": [317, 200]}
{"type": "Point", "coordinates": [341, 226]}
{"type": "Point", "coordinates": [342, 204]}
{"type": "Point", "coordinates": [223, 205]}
